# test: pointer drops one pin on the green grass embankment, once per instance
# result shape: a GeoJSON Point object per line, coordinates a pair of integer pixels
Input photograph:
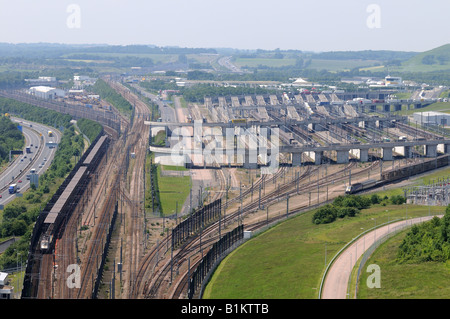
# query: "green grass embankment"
{"type": "Point", "coordinates": [288, 260]}
{"type": "Point", "coordinates": [428, 280]}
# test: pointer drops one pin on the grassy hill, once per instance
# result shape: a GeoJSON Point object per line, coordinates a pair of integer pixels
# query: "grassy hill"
{"type": "Point", "coordinates": [437, 59]}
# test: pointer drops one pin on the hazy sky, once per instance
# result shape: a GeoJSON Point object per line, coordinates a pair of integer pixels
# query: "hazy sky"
{"type": "Point", "coordinates": [323, 25]}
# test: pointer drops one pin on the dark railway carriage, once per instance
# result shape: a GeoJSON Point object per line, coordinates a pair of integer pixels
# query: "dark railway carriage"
{"type": "Point", "coordinates": [61, 210]}
{"type": "Point", "coordinates": [50, 223]}
{"type": "Point", "coordinates": [419, 168]}
{"type": "Point", "coordinates": [93, 155]}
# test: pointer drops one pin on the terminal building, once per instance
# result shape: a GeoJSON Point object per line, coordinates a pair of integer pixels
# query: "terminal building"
{"type": "Point", "coordinates": [46, 92]}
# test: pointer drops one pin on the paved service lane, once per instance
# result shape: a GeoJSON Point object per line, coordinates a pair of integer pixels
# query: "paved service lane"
{"type": "Point", "coordinates": [337, 278]}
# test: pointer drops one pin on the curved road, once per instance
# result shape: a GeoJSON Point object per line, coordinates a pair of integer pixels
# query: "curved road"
{"type": "Point", "coordinates": [336, 281]}
{"type": "Point", "coordinates": [39, 158]}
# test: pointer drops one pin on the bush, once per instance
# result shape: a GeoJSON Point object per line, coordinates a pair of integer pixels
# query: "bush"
{"type": "Point", "coordinates": [349, 205]}
{"type": "Point", "coordinates": [325, 215]}
{"type": "Point", "coordinates": [356, 201]}
{"type": "Point", "coordinates": [347, 211]}
{"type": "Point", "coordinates": [429, 241]}
{"type": "Point", "coordinates": [375, 199]}
{"type": "Point", "coordinates": [398, 199]}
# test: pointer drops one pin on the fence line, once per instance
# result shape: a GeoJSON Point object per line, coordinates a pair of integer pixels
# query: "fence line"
{"type": "Point", "coordinates": [377, 244]}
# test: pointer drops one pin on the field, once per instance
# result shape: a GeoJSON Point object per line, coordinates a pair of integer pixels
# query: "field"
{"type": "Point", "coordinates": [288, 260]}
{"type": "Point", "coordinates": [437, 107]}
{"type": "Point", "coordinates": [340, 65]}
{"type": "Point", "coordinates": [440, 61]}
{"type": "Point", "coordinates": [255, 62]}
{"type": "Point", "coordinates": [319, 64]}
{"type": "Point", "coordinates": [407, 281]}
{"type": "Point", "coordinates": [172, 189]}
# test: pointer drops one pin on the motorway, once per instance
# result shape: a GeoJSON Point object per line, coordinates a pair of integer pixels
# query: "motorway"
{"type": "Point", "coordinates": [227, 64]}
{"type": "Point", "coordinates": [40, 158]}
{"type": "Point", "coordinates": [168, 114]}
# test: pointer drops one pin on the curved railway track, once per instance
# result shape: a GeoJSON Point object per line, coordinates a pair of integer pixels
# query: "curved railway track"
{"type": "Point", "coordinates": [159, 285]}
{"type": "Point", "coordinates": [151, 259]}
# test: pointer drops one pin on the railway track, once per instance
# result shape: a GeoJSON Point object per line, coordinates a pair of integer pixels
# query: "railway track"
{"type": "Point", "coordinates": [159, 287]}
{"type": "Point", "coordinates": [136, 142]}
{"type": "Point", "coordinates": [95, 248]}
{"type": "Point", "coordinates": [152, 258]}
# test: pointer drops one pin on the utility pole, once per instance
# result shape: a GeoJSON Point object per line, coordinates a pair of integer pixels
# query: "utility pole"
{"type": "Point", "coordinates": [259, 200]}
{"type": "Point", "coordinates": [171, 263]}
{"type": "Point", "coordinates": [287, 206]}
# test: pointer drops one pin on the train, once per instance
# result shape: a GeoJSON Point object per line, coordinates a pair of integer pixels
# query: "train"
{"type": "Point", "coordinates": [415, 169]}
{"type": "Point", "coordinates": [72, 188]}
{"type": "Point", "coordinates": [358, 187]}
{"type": "Point", "coordinates": [397, 174]}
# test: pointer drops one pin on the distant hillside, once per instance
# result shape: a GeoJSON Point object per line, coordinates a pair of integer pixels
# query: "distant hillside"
{"type": "Point", "coordinates": [437, 59]}
{"type": "Point", "coordinates": [378, 55]}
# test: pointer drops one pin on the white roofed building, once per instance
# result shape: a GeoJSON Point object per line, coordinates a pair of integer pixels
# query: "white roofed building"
{"type": "Point", "coordinates": [301, 82]}
{"type": "Point", "coordinates": [6, 291]}
{"type": "Point", "coordinates": [46, 92]}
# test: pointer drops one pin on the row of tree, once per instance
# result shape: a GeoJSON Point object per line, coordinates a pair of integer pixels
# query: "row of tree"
{"type": "Point", "coordinates": [111, 96]}
{"type": "Point", "coordinates": [429, 241]}
{"type": "Point", "coordinates": [351, 205]}
{"type": "Point", "coordinates": [89, 128]}
{"type": "Point", "coordinates": [35, 114]}
{"type": "Point", "coordinates": [341, 207]}
{"type": "Point", "coordinates": [10, 138]}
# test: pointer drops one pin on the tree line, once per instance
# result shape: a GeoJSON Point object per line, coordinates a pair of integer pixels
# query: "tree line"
{"type": "Point", "coordinates": [34, 113]}
{"type": "Point", "coordinates": [429, 241]}
{"type": "Point", "coordinates": [350, 206]}
{"type": "Point", "coordinates": [111, 96]}
{"type": "Point", "coordinates": [10, 138]}
{"type": "Point", "coordinates": [89, 128]}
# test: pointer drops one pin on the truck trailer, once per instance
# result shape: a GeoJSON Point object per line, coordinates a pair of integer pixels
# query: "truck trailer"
{"type": "Point", "coordinates": [12, 188]}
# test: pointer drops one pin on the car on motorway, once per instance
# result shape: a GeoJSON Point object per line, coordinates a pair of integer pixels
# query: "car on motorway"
{"type": "Point", "coordinates": [19, 181]}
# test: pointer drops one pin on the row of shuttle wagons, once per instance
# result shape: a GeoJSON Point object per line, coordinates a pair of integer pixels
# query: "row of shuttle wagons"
{"type": "Point", "coordinates": [399, 174]}
{"type": "Point", "coordinates": [51, 224]}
